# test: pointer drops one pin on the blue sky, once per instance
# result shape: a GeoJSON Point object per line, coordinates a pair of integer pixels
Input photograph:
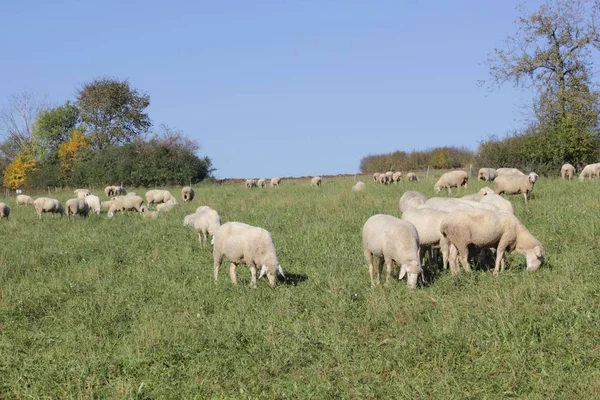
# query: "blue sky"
{"type": "Point", "coordinates": [278, 87]}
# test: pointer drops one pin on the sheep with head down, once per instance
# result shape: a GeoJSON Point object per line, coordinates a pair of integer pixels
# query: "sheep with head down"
{"type": "Point", "coordinates": [397, 177]}
{"type": "Point", "coordinates": [316, 181]}
{"type": "Point", "coordinates": [376, 176]}
{"type": "Point", "coordinates": [589, 171]}
{"type": "Point", "coordinates": [48, 205]}
{"type": "Point", "coordinates": [567, 171]}
{"type": "Point", "coordinates": [93, 203]}
{"type": "Point", "coordinates": [427, 222]}
{"type": "Point", "coordinates": [275, 181]}
{"type": "Point", "coordinates": [125, 203]}
{"type": "Point", "coordinates": [412, 177]}
{"type": "Point", "coordinates": [187, 194]}
{"type": "Point", "coordinates": [157, 196]}
{"type": "Point", "coordinates": [261, 183]}
{"type": "Point", "coordinates": [487, 174]}
{"type": "Point", "coordinates": [392, 240]}
{"type": "Point", "coordinates": [205, 221]}
{"type": "Point", "coordinates": [452, 179]}
{"type": "Point", "coordinates": [245, 244]}
{"type": "Point", "coordinates": [4, 210]}
{"type": "Point", "coordinates": [23, 199]}
{"type": "Point", "coordinates": [250, 183]}
{"type": "Point", "coordinates": [77, 207]}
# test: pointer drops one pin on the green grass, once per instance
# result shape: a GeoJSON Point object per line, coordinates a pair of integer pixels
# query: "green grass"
{"type": "Point", "coordinates": [127, 307]}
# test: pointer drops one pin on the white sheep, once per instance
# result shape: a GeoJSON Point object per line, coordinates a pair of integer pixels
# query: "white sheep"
{"type": "Point", "coordinates": [206, 222]}
{"type": "Point", "coordinates": [567, 171]}
{"type": "Point", "coordinates": [81, 193]}
{"type": "Point", "coordinates": [448, 204]}
{"type": "Point", "coordinates": [412, 177]}
{"type": "Point", "coordinates": [389, 176]}
{"type": "Point", "coordinates": [157, 196]}
{"type": "Point", "coordinates": [187, 194]}
{"type": "Point", "coordinates": [106, 204]}
{"type": "Point", "coordinates": [111, 191]}
{"type": "Point", "coordinates": [261, 183]}
{"type": "Point", "coordinates": [93, 203]}
{"type": "Point", "coordinates": [77, 207]}
{"type": "Point", "coordinates": [149, 214]}
{"type": "Point", "coordinates": [509, 171]}
{"type": "Point", "coordinates": [126, 203]}
{"type": "Point", "coordinates": [4, 210]}
{"type": "Point", "coordinates": [427, 222]}
{"type": "Point", "coordinates": [500, 202]}
{"type": "Point", "coordinates": [484, 229]}
{"type": "Point", "coordinates": [411, 198]}
{"type": "Point", "coordinates": [376, 176]}
{"type": "Point", "coordinates": [250, 183]}
{"type": "Point", "coordinates": [359, 186]}
{"type": "Point", "coordinates": [167, 206]}
{"type": "Point", "coordinates": [275, 181]}
{"type": "Point", "coordinates": [487, 174]}
{"type": "Point", "coordinates": [23, 199]}
{"type": "Point", "coordinates": [589, 171]}
{"type": "Point", "coordinates": [245, 244]}
{"type": "Point", "coordinates": [452, 179]}
{"type": "Point", "coordinates": [316, 181]}
{"type": "Point", "coordinates": [515, 184]}
{"type": "Point", "coordinates": [397, 177]}
{"type": "Point", "coordinates": [392, 240]}
{"type": "Point", "coordinates": [48, 205]}
{"type": "Point", "coordinates": [383, 179]}
{"type": "Point", "coordinates": [479, 195]}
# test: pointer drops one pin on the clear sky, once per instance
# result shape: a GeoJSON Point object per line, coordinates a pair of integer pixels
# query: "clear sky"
{"type": "Point", "coordinates": [278, 87]}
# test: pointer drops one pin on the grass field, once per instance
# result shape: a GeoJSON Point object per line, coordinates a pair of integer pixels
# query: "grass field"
{"type": "Point", "coordinates": [127, 307]}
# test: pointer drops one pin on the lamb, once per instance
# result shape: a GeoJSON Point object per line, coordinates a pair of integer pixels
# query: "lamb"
{"type": "Point", "coordinates": [47, 205]}
{"type": "Point", "coordinates": [509, 171]}
{"type": "Point", "coordinates": [452, 179]}
{"type": "Point", "coordinates": [376, 176]}
{"type": "Point", "coordinates": [206, 222]}
{"type": "Point", "coordinates": [126, 203]}
{"type": "Point", "coordinates": [411, 198]}
{"type": "Point", "coordinates": [250, 183]}
{"type": "Point", "coordinates": [4, 210]}
{"type": "Point", "coordinates": [187, 194]}
{"type": "Point", "coordinates": [479, 195]}
{"type": "Point", "coordinates": [588, 171]}
{"type": "Point", "coordinates": [275, 181]}
{"type": "Point", "coordinates": [245, 244]}
{"type": "Point", "coordinates": [168, 206]}
{"type": "Point", "coordinates": [81, 193]}
{"type": "Point", "coordinates": [316, 181]}
{"type": "Point", "coordinates": [77, 207]}
{"type": "Point", "coordinates": [412, 177]}
{"type": "Point", "coordinates": [93, 203]}
{"type": "Point", "coordinates": [392, 240]}
{"type": "Point", "coordinates": [487, 174]}
{"type": "Point", "coordinates": [427, 222]}
{"type": "Point", "coordinates": [567, 171]}
{"type": "Point", "coordinates": [483, 229]}
{"type": "Point", "coordinates": [397, 177]}
{"type": "Point", "coordinates": [23, 199]}
{"type": "Point", "coordinates": [157, 196]}
{"type": "Point", "coordinates": [515, 184]}
{"type": "Point", "coordinates": [359, 187]}
{"type": "Point", "coordinates": [261, 183]}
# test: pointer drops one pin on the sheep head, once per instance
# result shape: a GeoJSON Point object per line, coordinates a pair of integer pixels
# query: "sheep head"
{"type": "Point", "coordinates": [535, 258]}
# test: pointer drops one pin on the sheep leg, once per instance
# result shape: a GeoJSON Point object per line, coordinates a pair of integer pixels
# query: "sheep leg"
{"type": "Point", "coordinates": [444, 249]}
{"type": "Point", "coordinates": [388, 269]}
{"type": "Point", "coordinates": [204, 236]}
{"type": "Point", "coordinates": [499, 258]}
{"type": "Point", "coordinates": [253, 276]}
{"type": "Point", "coordinates": [463, 257]}
{"type": "Point", "coordinates": [422, 251]}
{"type": "Point", "coordinates": [525, 195]}
{"type": "Point", "coordinates": [217, 265]}
{"type": "Point", "coordinates": [369, 258]}
{"type": "Point", "coordinates": [232, 273]}
{"type": "Point", "coordinates": [453, 260]}
{"type": "Point", "coordinates": [379, 270]}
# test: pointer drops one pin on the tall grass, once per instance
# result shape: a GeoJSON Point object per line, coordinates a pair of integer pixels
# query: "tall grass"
{"type": "Point", "coordinates": [127, 307]}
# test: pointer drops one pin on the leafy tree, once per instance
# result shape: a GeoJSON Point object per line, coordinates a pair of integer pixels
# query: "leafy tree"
{"type": "Point", "coordinates": [113, 112]}
{"type": "Point", "coordinates": [17, 171]}
{"type": "Point", "coordinates": [54, 126]}
{"type": "Point", "coordinates": [70, 149]}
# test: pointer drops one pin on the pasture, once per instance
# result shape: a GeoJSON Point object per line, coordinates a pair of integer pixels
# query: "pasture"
{"type": "Point", "coordinates": [127, 307]}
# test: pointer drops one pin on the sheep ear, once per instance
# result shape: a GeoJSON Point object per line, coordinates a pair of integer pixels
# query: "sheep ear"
{"type": "Point", "coordinates": [280, 270]}
{"type": "Point", "coordinates": [402, 272]}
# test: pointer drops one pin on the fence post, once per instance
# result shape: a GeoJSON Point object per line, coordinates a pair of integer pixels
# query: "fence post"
{"type": "Point", "coordinates": [470, 169]}
{"type": "Point", "coordinates": [427, 176]}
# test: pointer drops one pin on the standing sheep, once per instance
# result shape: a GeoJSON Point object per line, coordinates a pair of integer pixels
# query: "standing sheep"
{"type": "Point", "coordinates": [4, 210]}
{"type": "Point", "coordinates": [261, 183]}
{"type": "Point", "coordinates": [77, 207]}
{"type": "Point", "coordinates": [515, 184]}
{"type": "Point", "coordinates": [23, 199]}
{"type": "Point", "coordinates": [358, 187]}
{"type": "Point", "coordinates": [157, 196]}
{"type": "Point", "coordinates": [206, 222]}
{"type": "Point", "coordinates": [452, 179]}
{"type": "Point", "coordinates": [245, 244]}
{"type": "Point", "coordinates": [509, 171]}
{"type": "Point", "coordinates": [412, 177]}
{"type": "Point", "coordinates": [484, 229]}
{"type": "Point", "coordinates": [47, 205]}
{"type": "Point", "coordinates": [392, 240]}
{"type": "Point", "coordinates": [397, 177]}
{"type": "Point", "coordinates": [383, 179]}
{"type": "Point", "coordinates": [111, 191]}
{"type": "Point", "coordinates": [316, 181]}
{"type": "Point", "coordinates": [275, 181]}
{"type": "Point", "coordinates": [487, 174]}
{"type": "Point", "coordinates": [93, 203]}
{"type": "Point", "coordinates": [250, 183]}
{"type": "Point", "coordinates": [125, 203]}
{"type": "Point", "coordinates": [81, 193]}
{"type": "Point", "coordinates": [427, 222]}
{"type": "Point", "coordinates": [588, 171]}
{"type": "Point", "coordinates": [411, 198]}
{"type": "Point", "coordinates": [187, 194]}
{"type": "Point", "coordinates": [376, 176]}
{"type": "Point", "coordinates": [567, 171]}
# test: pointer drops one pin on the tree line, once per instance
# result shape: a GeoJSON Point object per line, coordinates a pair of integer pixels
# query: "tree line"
{"type": "Point", "coordinates": [105, 136]}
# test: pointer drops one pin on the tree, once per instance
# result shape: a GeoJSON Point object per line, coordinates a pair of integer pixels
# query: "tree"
{"type": "Point", "coordinates": [54, 126]}
{"type": "Point", "coordinates": [113, 112]}
{"type": "Point", "coordinates": [16, 172]}
{"type": "Point", "coordinates": [551, 52]}
{"type": "Point", "coordinates": [70, 149]}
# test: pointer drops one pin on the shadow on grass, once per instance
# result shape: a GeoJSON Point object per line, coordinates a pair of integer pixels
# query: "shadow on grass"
{"type": "Point", "coordinates": [292, 279]}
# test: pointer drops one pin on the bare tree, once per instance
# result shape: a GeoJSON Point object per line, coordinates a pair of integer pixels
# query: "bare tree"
{"type": "Point", "coordinates": [17, 120]}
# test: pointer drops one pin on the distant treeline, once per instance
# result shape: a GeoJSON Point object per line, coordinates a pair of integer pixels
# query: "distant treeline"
{"type": "Point", "coordinates": [439, 158]}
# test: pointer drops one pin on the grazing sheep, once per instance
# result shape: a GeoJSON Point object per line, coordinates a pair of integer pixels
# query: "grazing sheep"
{"type": "Point", "coordinates": [168, 206]}
{"type": "Point", "coordinates": [392, 240]}
{"type": "Point", "coordinates": [77, 207]}
{"type": "Point", "coordinates": [250, 183]}
{"type": "Point", "coordinates": [275, 181]}
{"type": "Point", "coordinates": [487, 174]}
{"type": "Point", "coordinates": [589, 170]}
{"type": "Point", "coordinates": [452, 179]}
{"type": "Point", "coordinates": [261, 183]}
{"type": "Point", "coordinates": [149, 214]}
{"type": "Point", "coordinates": [484, 229]}
{"type": "Point", "coordinates": [376, 176]}
{"type": "Point", "coordinates": [93, 203]}
{"type": "Point", "coordinates": [23, 199]}
{"type": "Point", "coordinates": [383, 179]}
{"type": "Point", "coordinates": [567, 171]}
{"type": "Point", "coordinates": [427, 222]}
{"type": "Point", "coordinates": [448, 204]}
{"type": "Point", "coordinates": [316, 181]}
{"type": "Point", "coordinates": [48, 205]}
{"type": "Point", "coordinates": [4, 210]}
{"type": "Point", "coordinates": [245, 244]}
{"type": "Point", "coordinates": [126, 203]}
{"type": "Point", "coordinates": [389, 176]}
{"type": "Point", "coordinates": [206, 222]}
{"type": "Point", "coordinates": [359, 186]}
{"type": "Point", "coordinates": [157, 196]}
{"type": "Point", "coordinates": [397, 177]}
{"type": "Point", "coordinates": [410, 199]}
{"type": "Point", "coordinates": [189, 219]}
{"type": "Point", "coordinates": [500, 202]}
{"type": "Point", "coordinates": [187, 194]}
{"type": "Point", "coordinates": [81, 193]}
{"type": "Point", "coordinates": [515, 184]}
{"type": "Point", "coordinates": [479, 195]}
{"type": "Point", "coordinates": [509, 171]}
{"type": "Point", "coordinates": [111, 191]}
{"type": "Point", "coordinates": [412, 177]}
